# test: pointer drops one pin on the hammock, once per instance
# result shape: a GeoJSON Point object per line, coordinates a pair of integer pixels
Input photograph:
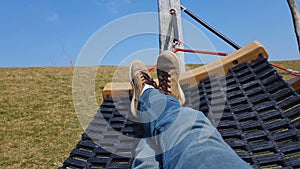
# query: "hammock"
{"type": "Point", "coordinates": [260, 121]}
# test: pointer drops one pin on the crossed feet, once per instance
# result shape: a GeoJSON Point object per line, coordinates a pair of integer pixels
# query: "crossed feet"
{"type": "Point", "coordinates": [168, 77]}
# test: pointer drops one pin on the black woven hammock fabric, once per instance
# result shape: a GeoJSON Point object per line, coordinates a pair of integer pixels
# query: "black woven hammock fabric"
{"type": "Point", "coordinates": [260, 121]}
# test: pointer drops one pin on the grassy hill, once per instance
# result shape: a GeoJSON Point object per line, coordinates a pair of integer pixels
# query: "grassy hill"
{"type": "Point", "coordinates": [38, 123]}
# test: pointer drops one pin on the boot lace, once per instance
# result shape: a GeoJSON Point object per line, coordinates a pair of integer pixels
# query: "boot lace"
{"type": "Point", "coordinates": [164, 82]}
{"type": "Point", "coordinates": [146, 79]}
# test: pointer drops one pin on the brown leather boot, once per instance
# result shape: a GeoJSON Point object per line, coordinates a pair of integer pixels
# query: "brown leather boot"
{"type": "Point", "coordinates": [168, 75]}
{"type": "Point", "coordinates": [139, 76]}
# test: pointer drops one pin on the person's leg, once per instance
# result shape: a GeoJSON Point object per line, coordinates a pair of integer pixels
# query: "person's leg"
{"type": "Point", "coordinates": [186, 137]}
{"type": "Point", "coordinates": [145, 155]}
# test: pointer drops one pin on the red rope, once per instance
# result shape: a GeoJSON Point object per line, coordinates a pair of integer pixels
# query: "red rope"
{"type": "Point", "coordinates": [200, 51]}
{"type": "Point", "coordinates": [290, 71]}
{"type": "Point", "coordinates": [279, 67]}
{"type": "Point", "coordinates": [152, 67]}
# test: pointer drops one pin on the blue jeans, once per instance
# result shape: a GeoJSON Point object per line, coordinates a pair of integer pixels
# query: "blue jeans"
{"type": "Point", "coordinates": [180, 137]}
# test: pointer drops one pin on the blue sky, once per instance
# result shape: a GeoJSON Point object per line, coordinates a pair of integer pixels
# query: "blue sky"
{"type": "Point", "coordinates": [53, 32]}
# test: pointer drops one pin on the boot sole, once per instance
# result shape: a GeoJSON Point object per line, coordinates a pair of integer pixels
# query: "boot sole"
{"type": "Point", "coordinates": [133, 110]}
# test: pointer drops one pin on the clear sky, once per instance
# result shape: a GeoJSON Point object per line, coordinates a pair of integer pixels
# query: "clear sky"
{"type": "Point", "coordinates": [53, 32]}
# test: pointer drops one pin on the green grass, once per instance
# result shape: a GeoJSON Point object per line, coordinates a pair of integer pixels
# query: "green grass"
{"type": "Point", "coordinates": [38, 123]}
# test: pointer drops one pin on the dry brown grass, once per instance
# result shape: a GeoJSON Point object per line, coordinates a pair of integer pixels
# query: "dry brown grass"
{"type": "Point", "coordinates": [38, 123]}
